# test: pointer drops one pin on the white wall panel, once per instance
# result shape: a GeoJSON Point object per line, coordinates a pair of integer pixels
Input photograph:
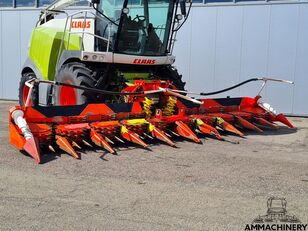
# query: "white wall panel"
{"type": "Point", "coordinates": [282, 54]}
{"type": "Point", "coordinates": [10, 53]}
{"type": "Point", "coordinates": [250, 41]}
{"type": "Point", "coordinates": [27, 21]}
{"type": "Point", "coordinates": [300, 105]}
{"type": "Point", "coordinates": [1, 53]}
{"type": "Point", "coordinates": [254, 46]}
{"type": "Point", "coordinates": [203, 49]}
{"type": "Point", "coordinates": [228, 47]}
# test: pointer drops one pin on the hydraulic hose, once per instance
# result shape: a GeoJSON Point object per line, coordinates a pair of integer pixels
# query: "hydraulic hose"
{"type": "Point", "coordinates": [99, 91]}
{"type": "Point", "coordinates": [105, 92]}
{"type": "Point", "coordinates": [230, 88]}
{"type": "Point", "coordinates": [264, 79]}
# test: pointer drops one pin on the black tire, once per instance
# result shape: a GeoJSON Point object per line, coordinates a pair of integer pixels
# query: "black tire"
{"type": "Point", "coordinates": [76, 74]}
{"type": "Point", "coordinates": [171, 73]}
{"type": "Point", "coordinates": [22, 94]}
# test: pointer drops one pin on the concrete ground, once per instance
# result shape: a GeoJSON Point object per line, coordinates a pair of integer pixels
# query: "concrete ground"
{"type": "Point", "coordinates": [214, 186]}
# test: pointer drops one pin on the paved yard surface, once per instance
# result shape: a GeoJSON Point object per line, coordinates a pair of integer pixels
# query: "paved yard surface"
{"type": "Point", "coordinates": [214, 186]}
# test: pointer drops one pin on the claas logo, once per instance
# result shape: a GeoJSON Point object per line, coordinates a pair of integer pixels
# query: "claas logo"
{"type": "Point", "coordinates": [81, 24]}
{"type": "Point", "coordinates": [144, 61]}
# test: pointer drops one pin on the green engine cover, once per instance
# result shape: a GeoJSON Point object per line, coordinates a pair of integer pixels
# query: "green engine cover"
{"type": "Point", "coordinates": [45, 46]}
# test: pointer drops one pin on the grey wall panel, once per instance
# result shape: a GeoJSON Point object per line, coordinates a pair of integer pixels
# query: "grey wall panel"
{"type": "Point", "coordinates": [228, 47]}
{"type": "Point", "coordinates": [11, 53]}
{"type": "Point", "coordinates": [282, 54]}
{"type": "Point", "coordinates": [254, 47]}
{"type": "Point", "coordinates": [244, 42]}
{"type": "Point", "coordinates": [203, 49]}
{"type": "Point", "coordinates": [1, 53]}
{"type": "Point", "coordinates": [300, 105]}
{"type": "Point", "coordinates": [27, 21]}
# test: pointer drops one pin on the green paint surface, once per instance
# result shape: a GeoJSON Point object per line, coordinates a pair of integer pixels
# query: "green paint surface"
{"type": "Point", "coordinates": [44, 49]}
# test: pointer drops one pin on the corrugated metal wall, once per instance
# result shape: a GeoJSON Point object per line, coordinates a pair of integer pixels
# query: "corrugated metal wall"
{"type": "Point", "coordinates": [15, 32]}
{"type": "Point", "coordinates": [219, 46]}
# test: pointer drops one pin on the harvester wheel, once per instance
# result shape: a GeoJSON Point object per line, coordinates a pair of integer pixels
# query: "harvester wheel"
{"type": "Point", "coordinates": [24, 90]}
{"type": "Point", "coordinates": [76, 74]}
{"type": "Point", "coordinates": [171, 73]}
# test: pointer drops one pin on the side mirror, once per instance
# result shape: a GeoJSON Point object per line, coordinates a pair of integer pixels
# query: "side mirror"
{"type": "Point", "coordinates": [125, 10]}
{"type": "Point", "coordinates": [183, 7]}
{"type": "Point", "coordinates": [95, 1]}
{"type": "Point", "coordinates": [179, 17]}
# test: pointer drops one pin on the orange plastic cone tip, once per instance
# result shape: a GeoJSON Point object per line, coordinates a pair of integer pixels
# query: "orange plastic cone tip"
{"type": "Point", "coordinates": [31, 147]}
{"type": "Point", "coordinates": [266, 123]}
{"type": "Point", "coordinates": [132, 136]}
{"type": "Point", "coordinates": [207, 129]}
{"type": "Point", "coordinates": [100, 141]}
{"type": "Point", "coordinates": [230, 128]}
{"type": "Point", "coordinates": [183, 130]}
{"type": "Point", "coordinates": [63, 144]}
{"type": "Point", "coordinates": [162, 136]}
{"type": "Point", "coordinates": [281, 118]}
{"type": "Point", "coordinates": [247, 124]}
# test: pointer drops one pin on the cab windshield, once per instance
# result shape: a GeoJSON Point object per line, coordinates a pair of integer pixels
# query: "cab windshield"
{"type": "Point", "coordinates": [143, 25]}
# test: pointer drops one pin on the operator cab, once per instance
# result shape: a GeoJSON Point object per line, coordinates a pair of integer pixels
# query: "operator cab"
{"type": "Point", "coordinates": [136, 27]}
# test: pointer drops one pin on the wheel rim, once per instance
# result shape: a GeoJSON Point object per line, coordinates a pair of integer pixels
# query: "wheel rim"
{"type": "Point", "coordinates": [68, 95]}
{"type": "Point", "coordinates": [25, 92]}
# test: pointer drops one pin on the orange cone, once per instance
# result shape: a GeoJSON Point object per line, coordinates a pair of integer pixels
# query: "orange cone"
{"type": "Point", "coordinates": [63, 144]}
{"type": "Point", "coordinates": [31, 147]}
{"type": "Point", "coordinates": [132, 136]}
{"type": "Point", "coordinates": [160, 135]}
{"type": "Point", "coordinates": [183, 130]}
{"type": "Point", "coordinates": [266, 123]}
{"type": "Point", "coordinates": [100, 141]}
{"type": "Point", "coordinates": [228, 127]}
{"type": "Point", "coordinates": [246, 124]}
{"type": "Point", "coordinates": [281, 118]}
{"type": "Point", "coordinates": [207, 129]}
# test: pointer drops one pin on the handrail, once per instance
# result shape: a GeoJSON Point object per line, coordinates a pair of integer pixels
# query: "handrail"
{"type": "Point", "coordinates": [86, 14]}
{"type": "Point", "coordinates": [85, 32]}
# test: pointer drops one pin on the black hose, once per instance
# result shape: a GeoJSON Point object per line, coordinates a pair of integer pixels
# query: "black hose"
{"type": "Point", "coordinates": [229, 88]}
{"type": "Point", "coordinates": [104, 92]}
